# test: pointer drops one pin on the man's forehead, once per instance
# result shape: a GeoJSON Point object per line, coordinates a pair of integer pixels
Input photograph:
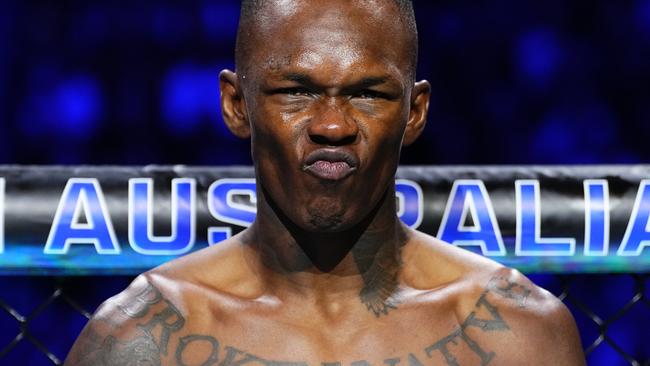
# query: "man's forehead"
{"type": "Point", "coordinates": [325, 34]}
{"type": "Point", "coordinates": [337, 65]}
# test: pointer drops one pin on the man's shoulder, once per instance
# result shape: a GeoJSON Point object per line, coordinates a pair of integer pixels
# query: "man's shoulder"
{"type": "Point", "coordinates": [432, 263]}
{"type": "Point", "coordinates": [522, 322]}
{"type": "Point", "coordinates": [466, 277]}
{"type": "Point", "coordinates": [500, 313]}
{"type": "Point", "coordinates": [205, 283]}
{"type": "Point", "coordinates": [136, 324]}
{"type": "Point", "coordinates": [115, 333]}
{"type": "Point", "coordinates": [139, 325]}
{"type": "Point", "coordinates": [221, 270]}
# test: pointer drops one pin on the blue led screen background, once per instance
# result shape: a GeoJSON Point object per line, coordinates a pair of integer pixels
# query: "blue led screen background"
{"type": "Point", "coordinates": [514, 82]}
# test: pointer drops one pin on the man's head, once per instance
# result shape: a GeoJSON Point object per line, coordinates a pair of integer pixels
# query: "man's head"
{"type": "Point", "coordinates": [326, 91]}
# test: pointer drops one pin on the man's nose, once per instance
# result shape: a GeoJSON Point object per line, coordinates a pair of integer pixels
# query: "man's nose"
{"type": "Point", "coordinates": [333, 127]}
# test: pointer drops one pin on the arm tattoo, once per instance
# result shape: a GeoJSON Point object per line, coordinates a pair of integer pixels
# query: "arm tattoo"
{"type": "Point", "coordinates": [137, 351]}
{"type": "Point", "coordinates": [509, 290]}
{"type": "Point", "coordinates": [111, 352]}
{"type": "Point", "coordinates": [145, 348]}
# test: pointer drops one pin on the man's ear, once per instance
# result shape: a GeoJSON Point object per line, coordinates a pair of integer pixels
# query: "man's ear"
{"type": "Point", "coordinates": [233, 108]}
{"type": "Point", "coordinates": [418, 113]}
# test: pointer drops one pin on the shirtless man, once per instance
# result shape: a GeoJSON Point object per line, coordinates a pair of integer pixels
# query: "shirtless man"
{"type": "Point", "coordinates": [328, 275]}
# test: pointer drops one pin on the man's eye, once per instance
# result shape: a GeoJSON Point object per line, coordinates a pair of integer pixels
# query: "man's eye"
{"type": "Point", "coordinates": [369, 94]}
{"type": "Point", "coordinates": [295, 92]}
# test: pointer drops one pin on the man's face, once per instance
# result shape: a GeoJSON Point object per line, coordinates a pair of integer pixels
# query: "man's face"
{"type": "Point", "coordinates": [327, 94]}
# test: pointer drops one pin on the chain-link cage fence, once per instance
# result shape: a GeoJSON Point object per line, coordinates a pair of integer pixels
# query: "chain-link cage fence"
{"type": "Point", "coordinates": [40, 317]}
{"type": "Point", "coordinates": [612, 313]}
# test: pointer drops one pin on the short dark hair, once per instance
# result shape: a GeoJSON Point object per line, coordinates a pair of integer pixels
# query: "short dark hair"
{"type": "Point", "coordinates": [250, 11]}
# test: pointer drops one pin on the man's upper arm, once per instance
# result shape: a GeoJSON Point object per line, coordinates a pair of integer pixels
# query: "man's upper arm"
{"type": "Point", "coordinates": [117, 333]}
{"type": "Point", "coordinates": [561, 343]}
{"type": "Point", "coordinates": [543, 329]}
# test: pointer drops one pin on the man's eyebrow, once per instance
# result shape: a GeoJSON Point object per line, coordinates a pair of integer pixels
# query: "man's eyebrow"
{"type": "Point", "coordinates": [366, 82]}
{"type": "Point", "coordinates": [371, 81]}
{"type": "Point", "coordinates": [298, 78]}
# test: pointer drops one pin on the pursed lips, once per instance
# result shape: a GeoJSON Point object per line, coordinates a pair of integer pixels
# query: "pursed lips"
{"type": "Point", "coordinates": [331, 163]}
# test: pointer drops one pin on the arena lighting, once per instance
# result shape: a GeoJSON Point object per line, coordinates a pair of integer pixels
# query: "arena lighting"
{"type": "Point", "coordinates": [124, 220]}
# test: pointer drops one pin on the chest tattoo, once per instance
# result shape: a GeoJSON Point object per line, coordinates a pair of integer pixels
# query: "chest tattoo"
{"type": "Point", "coordinates": [161, 337]}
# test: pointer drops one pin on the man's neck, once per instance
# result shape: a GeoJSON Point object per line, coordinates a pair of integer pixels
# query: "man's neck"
{"type": "Point", "coordinates": [363, 261]}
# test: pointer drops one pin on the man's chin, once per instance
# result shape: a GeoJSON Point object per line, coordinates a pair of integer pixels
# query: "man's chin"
{"type": "Point", "coordinates": [326, 223]}
{"type": "Point", "coordinates": [327, 215]}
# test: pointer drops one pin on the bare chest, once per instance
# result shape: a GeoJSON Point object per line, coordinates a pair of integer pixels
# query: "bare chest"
{"type": "Point", "coordinates": [250, 339]}
{"type": "Point", "coordinates": [199, 333]}
{"type": "Point", "coordinates": [408, 349]}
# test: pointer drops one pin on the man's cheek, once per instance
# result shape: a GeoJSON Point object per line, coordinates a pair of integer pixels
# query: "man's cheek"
{"type": "Point", "coordinates": [388, 148]}
{"type": "Point", "coordinates": [268, 142]}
